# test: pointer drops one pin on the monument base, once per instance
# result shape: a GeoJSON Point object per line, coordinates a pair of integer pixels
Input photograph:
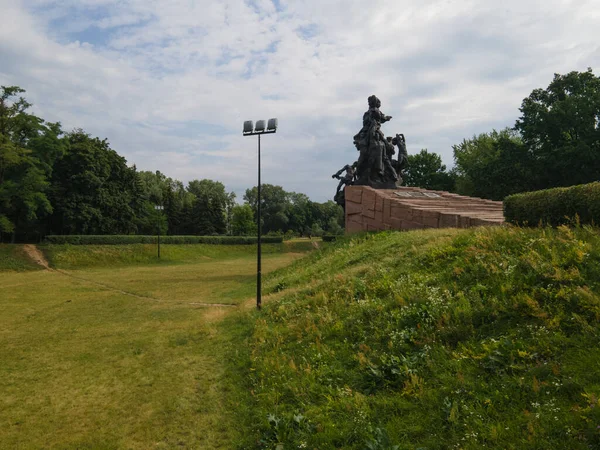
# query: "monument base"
{"type": "Point", "coordinates": [378, 184]}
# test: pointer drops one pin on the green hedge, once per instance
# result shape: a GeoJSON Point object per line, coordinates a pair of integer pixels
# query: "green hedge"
{"type": "Point", "coordinates": [134, 239]}
{"type": "Point", "coordinates": [555, 206]}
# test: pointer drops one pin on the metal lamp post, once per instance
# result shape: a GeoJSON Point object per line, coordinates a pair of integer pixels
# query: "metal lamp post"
{"type": "Point", "coordinates": [158, 208]}
{"type": "Point", "coordinates": [258, 130]}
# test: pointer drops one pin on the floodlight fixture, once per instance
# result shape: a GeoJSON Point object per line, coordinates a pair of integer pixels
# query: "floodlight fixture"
{"type": "Point", "coordinates": [260, 128]}
{"type": "Point", "coordinates": [248, 126]}
{"type": "Point", "coordinates": [272, 125]}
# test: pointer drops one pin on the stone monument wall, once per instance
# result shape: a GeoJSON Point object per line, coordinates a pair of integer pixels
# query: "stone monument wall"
{"type": "Point", "coordinates": [409, 208]}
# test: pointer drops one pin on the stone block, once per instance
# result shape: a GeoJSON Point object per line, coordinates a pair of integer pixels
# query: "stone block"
{"type": "Point", "coordinates": [449, 220]}
{"type": "Point", "coordinates": [368, 197]}
{"type": "Point", "coordinates": [368, 212]}
{"type": "Point", "coordinates": [353, 194]}
{"type": "Point", "coordinates": [410, 225]}
{"type": "Point", "coordinates": [353, 208]}
{"type": "Point", "coordinates": [395, 224]}
{"type": "Point", "coordinates": [353, 227]}
{"type": "Point", "coordinates": [379, 203]}
{"type": "Point", "coordinates": [400, 211]}
{"type": "Point", "coordinates": [386, 209]}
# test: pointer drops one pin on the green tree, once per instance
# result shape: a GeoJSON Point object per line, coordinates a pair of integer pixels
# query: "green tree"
{"type": "Point", "coordinates": [207, 214]}
{"type": "Point", "coordinates": [493, 165]}
{"type": "Point", "coordinates": [242, 221]}
{"type": "Point", "coordinates": [28, 149]}
{"type": "Point", "coordinates": [425, 170]}
{"type": "Point", "coordinates": [560, 127]}
{"type": "Point", "coordinates": [274, 207]}
{"type": "Point", "coordinates": [93, 189]}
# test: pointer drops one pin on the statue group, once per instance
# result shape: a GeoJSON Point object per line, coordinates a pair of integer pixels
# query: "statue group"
{"type": "Point", "coordinates": [375, 166]}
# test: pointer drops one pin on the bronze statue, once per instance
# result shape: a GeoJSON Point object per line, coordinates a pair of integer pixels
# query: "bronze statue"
{"type": "Point", "coordinates": [374, 167]}
{"type": "Point", "coordinates": [348, 177]}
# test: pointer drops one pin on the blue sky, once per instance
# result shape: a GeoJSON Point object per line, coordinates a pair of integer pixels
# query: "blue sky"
{"type": "Point", "coordinates": [170, 83]}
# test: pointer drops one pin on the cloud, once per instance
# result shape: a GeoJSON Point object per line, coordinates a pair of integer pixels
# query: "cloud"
{"type": "Point", "coordinates": [170, 83]}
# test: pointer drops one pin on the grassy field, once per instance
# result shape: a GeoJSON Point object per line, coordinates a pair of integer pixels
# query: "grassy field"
{"type": "Point", "coordinates": [433, 339]}
{"type": "Point", "coordinates": [437, 339]}
{"type": "Point", "coordinates": [120, 353]}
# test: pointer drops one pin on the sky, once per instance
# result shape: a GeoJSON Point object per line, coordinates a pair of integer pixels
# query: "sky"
{"type": "Point", "coordinates": [170, 83]}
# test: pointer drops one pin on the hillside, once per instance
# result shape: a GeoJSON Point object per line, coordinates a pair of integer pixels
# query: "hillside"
{"type": "Point", "coordinates": [433, 339]}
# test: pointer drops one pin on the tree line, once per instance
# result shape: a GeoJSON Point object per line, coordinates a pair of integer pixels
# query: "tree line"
{"type": "Point", "coordinates": [56, 182]}
{"type": "Point", "coordinates": [555, 142]}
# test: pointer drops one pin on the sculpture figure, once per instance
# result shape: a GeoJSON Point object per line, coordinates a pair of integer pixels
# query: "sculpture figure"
{"type": "Point", "coordinates": [348, 177]}
{"type": "Point", "coordinates": [374, 167]}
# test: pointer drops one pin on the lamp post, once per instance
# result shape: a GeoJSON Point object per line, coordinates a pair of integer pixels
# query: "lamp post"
{"type": "Point", "coordinates": [158, 208]}
{"type": "Point", "coordinates": [258, 130]}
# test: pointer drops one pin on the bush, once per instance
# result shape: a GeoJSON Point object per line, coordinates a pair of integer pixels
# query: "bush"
{"type": "Point", "coordinates": [329, 237]}
{"type": "Point", "coordinates": [555, 206]}
{"type": "Point", "coordinates": [135, 239]}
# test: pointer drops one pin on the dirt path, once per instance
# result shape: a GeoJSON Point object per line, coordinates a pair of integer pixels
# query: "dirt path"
{"type": "Point", "coordinates": [36, 255]}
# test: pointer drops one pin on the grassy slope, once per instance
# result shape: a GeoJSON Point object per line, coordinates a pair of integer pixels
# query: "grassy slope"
{"type": "Point", "coordinates": [86, 256]}
{"type": "Point", "coordinates": [13, 258]}
{"type": "Point", "coordinates": [86, 367]}
{"type": "Point", "coordinates": [432, 339]}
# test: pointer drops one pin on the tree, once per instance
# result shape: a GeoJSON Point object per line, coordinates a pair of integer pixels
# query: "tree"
{"type": "Point", "coordinates": [493, 165]}
{"type": "Point", "coordinates": [560, 127]}
{"type": "Point", "coordinates": [242, 221]}
{"type": "Point", "coordinates": [208, 210]}
{"type": "Point", "coordinates": [28, 149]}
{"type": "Point", "coordinates": [274, 207]}
{"type": "Point", "coordinates": [425, 170]}
{"type": "Point", "coordinates": [93, 190]}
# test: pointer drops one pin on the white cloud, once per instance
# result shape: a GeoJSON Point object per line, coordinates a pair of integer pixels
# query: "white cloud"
{"type": "Point", "coordinates": [170, 83]}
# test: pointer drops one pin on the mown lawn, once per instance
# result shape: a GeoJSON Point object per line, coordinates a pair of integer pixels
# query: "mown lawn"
{"type": "Point", "coordinates": [84, 366]}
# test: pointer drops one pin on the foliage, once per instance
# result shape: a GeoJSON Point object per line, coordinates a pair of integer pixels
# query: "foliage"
{"type": "Point", "coordinates": [560, 127]}
{"type": "Point", "coordinates": [88, 239]}
{"type": "Point", "coordinates": [242, 220]}
{"type": "Point", "coordinates": [555, 206]}
{"type": "Point", "coordinates": [93, 190]}
{"type": "Point", "coordinates": [425, 170]}
{"type": "Point", "coordinates": [27, 150]}
{"type": "Point", "coordinates": [433, 339]}
{"type": "Point", "coordinates": [74, 183]}
{"type": "Point", "coordinates": [493, 165]}
{"type": "Point", "coordinates": [282, 211]}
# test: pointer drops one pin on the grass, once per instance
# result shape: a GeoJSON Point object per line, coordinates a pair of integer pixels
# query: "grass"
{"type": "Point", "coordinates": [110, 256]}
{"type": "Point", "coordinates": [437, 339]}
{"type": "Point", "coordinates": [14, 258]}
{"type": "Point", "coordinates": [433, 339]}
{"type": "Point", "coordinates": [83, 365]}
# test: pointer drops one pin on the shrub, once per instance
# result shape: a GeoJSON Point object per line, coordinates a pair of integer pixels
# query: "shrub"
{"type": "Point", "coordinates": [555, 206]}
{"type": "Point", "coordinates": [329, 237]}
{"type": "Point", "coordinates": [135, 239]}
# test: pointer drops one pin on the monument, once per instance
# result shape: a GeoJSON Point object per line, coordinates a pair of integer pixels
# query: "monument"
{"type": "Point", "coordinates": [375, 166]}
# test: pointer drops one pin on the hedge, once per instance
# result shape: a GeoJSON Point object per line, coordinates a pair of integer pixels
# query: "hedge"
{"type": "Point", "coordinates": [555, 206]}
{"type": "Point", "coordinates": [135, 239]}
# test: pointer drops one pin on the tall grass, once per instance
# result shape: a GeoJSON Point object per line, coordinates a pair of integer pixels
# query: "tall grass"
{"type": "Point", "coordinates": [14, 258]}
{"type": "Point", "coordinates": [440, 339]}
